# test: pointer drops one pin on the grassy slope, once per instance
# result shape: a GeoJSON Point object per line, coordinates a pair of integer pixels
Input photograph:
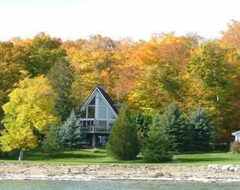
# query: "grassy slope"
{"type": "Point", "coordinates": [101, 157]}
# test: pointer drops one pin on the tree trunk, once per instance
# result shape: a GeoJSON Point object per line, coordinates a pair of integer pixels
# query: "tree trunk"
{"type": "Point", "coordinates": [20, 157]}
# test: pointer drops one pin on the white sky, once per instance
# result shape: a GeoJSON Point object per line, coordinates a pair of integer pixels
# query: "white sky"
{"type": "Point", "coordinates": [138, 19]}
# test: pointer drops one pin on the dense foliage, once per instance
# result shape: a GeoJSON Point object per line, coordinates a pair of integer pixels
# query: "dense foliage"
{"type": "Point", "coordinates": [123, 141]}
{"type": "Point", "coordinates": [176, 128]}
{"type": "Point", "coordinates": [158, 143]}
{"type": "Point", "coordinates": [61, 79]}
{"type": "Point", "coordinates": [51, 144]}
{"type": "Point", "coordinates": [200, 131]}
{"type": "Point", "coordinates": [148, 76]}
{"type": "Point", "coordinates": [71, 134]}
{"type": "Point", "coordinates": [141, 122]}
{"type": "Point", "coordinates": [29, 112]}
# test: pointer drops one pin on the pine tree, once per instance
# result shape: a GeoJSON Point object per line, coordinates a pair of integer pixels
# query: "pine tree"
{"type": "Point", "coordinates": [176, 128]}
{"type": "Point", "coordinates": [201, 131]}
{"type": "Point", "coordinates": [61, 79]}
{"type": "Point", "coordinates": [141, 123]}
{"type": "Point", "coordinates": [71, 134]}
{"type": "Point", "coordinates": [51, 142]}
{"type": "Point", "coordinates": [157, 145]}
{"type": "Point", "coordinates": [123, 141]}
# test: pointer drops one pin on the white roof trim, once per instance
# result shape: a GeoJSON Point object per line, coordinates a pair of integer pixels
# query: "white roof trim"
{"type": "Point", "coordinates": [235, 133]}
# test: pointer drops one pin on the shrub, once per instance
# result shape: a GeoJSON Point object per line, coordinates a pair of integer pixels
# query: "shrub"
{"type": "Point", "coordinates": [201, 131]}
{"type": "Point", "coordinates": [235, 147]}
{"type": "Point", "coordinates": [51, 142]}
{"type": "Point", "coordinates": [176, 128]}
{"type": "Point", "coordinates": [141, 123]}
{"type": "Point", "coordinates": [71, 134]}
{"type": "Point", "coordinates": [157, 145]}
{"type": "Point", "coordinates": [123, 141]}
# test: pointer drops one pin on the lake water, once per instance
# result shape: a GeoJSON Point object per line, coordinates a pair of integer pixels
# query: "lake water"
{"type": "Point", "coordinates": [114, 184]}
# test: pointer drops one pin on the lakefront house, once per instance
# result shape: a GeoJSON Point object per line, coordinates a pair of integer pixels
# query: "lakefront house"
{"type": "Point", "coordinates": [98, 116]}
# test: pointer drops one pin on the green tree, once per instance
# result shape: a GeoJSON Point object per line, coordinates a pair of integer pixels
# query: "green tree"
{"type": "Point", "coordinates": [212, 86]}
{"type": "Point", "coordinates": [40, 54]}
{"type": "Point", "coordinates": [51, 143]}
{"type": "Point", "coordinates": [123, 141]}
{"type": "Point", "coordinates": [201, 130]}
{"type": "Point", "coordinates": [157, 145]}
{"type": "Point", "coordinates": [141, 123]}
{"type": "Point", "coordinates": [71, 134]}
{"type": "Point", "coordinates": [175, 126]}
{"type": "Point", "coordinates": [61, 78]}
{"type": "Point", "coordinates": [31, 110]}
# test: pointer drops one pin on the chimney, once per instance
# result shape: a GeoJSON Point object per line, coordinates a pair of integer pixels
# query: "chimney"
{"type": "Point", "coordinates": [117, 106]}
{"type": "Point", "coordinates": [103, 87]}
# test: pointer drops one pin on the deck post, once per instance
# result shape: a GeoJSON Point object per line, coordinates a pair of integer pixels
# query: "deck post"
{"type": "Point", "coordinates": [93, 140]}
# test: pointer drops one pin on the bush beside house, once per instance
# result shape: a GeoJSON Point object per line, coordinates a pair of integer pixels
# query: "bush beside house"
{"type": "Point", "coordinates": [123, 141]}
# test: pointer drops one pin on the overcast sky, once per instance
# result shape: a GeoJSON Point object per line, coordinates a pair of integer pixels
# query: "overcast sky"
{"type": "Point", "coordinates": [138, 19]}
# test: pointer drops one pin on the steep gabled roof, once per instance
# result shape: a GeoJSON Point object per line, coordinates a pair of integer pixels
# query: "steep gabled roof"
{"type": "Point", "coordinates": [106, 97]}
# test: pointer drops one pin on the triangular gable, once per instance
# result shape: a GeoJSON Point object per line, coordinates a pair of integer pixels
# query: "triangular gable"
{"type": "Point", "coordinates": [105, 97]}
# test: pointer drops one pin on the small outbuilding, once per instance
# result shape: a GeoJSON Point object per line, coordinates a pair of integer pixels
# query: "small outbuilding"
{"type": "Point", "coordinates": [237, 136]}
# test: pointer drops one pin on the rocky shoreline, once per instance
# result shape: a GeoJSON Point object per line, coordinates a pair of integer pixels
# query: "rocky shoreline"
{"type": "Point", "coordinates": [32, 171]}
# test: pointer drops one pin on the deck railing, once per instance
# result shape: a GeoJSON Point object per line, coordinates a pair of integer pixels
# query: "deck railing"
{"type": "Point", "coordinates": [96, 129]}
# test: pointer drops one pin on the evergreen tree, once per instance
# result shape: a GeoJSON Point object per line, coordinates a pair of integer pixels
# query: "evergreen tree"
{"type": "Point", "coordinates": [141, 123]}
{"type": "Point", "coordinates": [176, 128]}
{"type": "Point", "coordinates": [201, 131]}
{"type": "Point", "coordinates": [71, 134]}
{"type": "Point", "coordinates": [123, 141]}
{"type": "Point", "coordinates": [157, 145]}
{"type": "Point", "coordinates": [61, 79]}
{"type": "Point", "coordinates": [51, 142]}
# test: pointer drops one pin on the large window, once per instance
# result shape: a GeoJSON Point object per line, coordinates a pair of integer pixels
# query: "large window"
{"type": "Point", "coordinates": [91, 111]}
{"type": "Point", "coordinates": [102, 112]}
{"type": "Point", "coordinates": [102, 109]}
{"type": "Point", "coordinates": [110, 115]}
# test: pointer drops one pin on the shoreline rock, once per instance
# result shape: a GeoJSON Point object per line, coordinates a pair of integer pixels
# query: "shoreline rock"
{"type": "Point", "coordinates": [206, 174]}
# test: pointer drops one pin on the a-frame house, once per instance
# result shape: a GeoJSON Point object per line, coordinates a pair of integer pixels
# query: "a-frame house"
{"type": "Point", "coordinates": [98, 116]}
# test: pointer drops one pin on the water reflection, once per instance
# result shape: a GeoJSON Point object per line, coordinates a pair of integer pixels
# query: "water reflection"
{"type": "Point", "coordinates": [114, 184]}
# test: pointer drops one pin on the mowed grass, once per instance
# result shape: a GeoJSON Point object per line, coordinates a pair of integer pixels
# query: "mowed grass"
{"type": "Point", "coordinates": [208, 158]}
{"type": "Point", "coordinates": [101, 157]}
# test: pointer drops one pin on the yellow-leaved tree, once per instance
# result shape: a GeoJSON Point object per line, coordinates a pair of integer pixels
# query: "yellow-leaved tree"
{"type": "Point", "coordinates": [30, 111]}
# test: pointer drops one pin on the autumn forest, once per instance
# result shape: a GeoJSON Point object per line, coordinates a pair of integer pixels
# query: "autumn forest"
{"type": "Point", "coordinates": [188, 71]}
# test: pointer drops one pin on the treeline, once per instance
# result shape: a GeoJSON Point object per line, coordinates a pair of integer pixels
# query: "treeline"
{"type": "Point", "coordinates": [187, 71]}
{"type": "Point", "coordinates": [159, 138]}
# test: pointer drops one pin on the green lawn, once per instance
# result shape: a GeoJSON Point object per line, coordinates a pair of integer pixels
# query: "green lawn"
{"type": "Point", "coordinates": [101, 157]}
{"type": "Point", "coordinates": [208, 158]}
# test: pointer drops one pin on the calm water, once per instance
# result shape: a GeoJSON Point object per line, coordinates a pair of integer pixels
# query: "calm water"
{"type": "Point", "coordinates": [114, 184]}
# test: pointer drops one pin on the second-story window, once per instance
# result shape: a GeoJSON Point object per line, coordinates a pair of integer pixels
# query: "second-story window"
{"type": "Point", "coordinates": [91, 109]}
